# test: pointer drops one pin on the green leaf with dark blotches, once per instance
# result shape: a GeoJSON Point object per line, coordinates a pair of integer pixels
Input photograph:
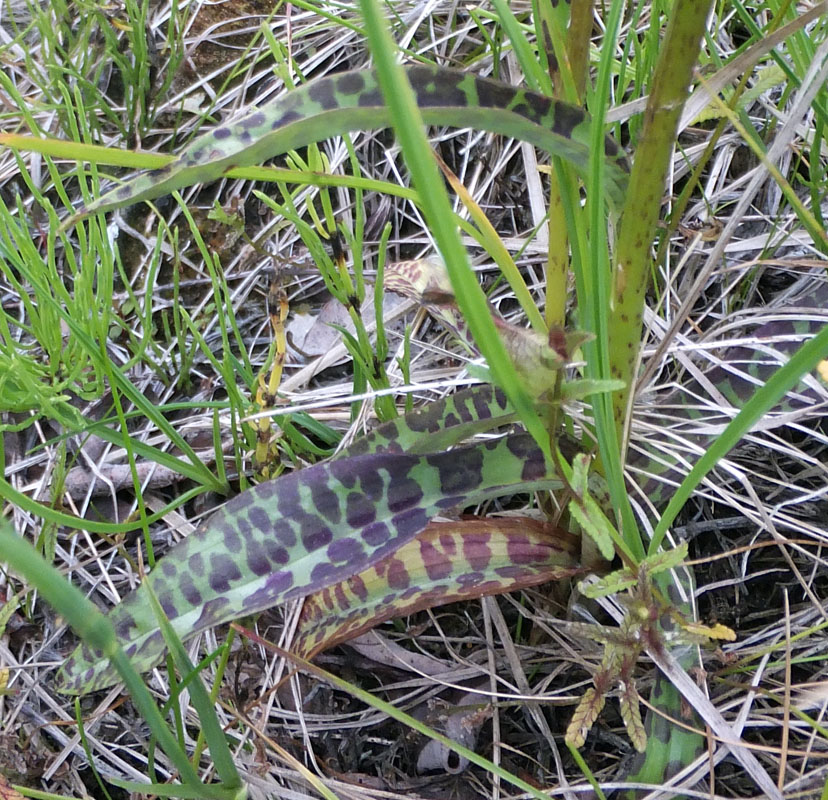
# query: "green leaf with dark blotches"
{"type": "Point", "coordinates": [301, 532]}
{"type": "Point", "coordinates": [349, 101]}
{"type": "Point", "coordinates": [446, 563]}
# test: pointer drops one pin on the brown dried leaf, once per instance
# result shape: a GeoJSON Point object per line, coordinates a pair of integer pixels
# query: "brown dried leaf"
{"type": "Point", "coordinates": [7, 791]}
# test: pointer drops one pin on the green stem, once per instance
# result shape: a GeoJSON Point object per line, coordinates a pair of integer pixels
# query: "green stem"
{"type": "Point", "coordinates": [678, 56]}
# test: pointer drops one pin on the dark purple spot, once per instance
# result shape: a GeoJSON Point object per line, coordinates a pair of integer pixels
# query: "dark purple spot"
{"type": "Point", "coordinates": [460, 471]}
{"type": "Point", "coordinates": [257, 560]}
{"type": "Point", "coordinates": [285, 120]}
{"type": "Point", "coordinates": [168, 568]}
{"type": "Point", "coordinates": [481, 406]}
{"type": "Point", "coordinates": [232, 541]}
{"type": "Point", "coordinates": [436, 565]}
{"type": "Point", "coordinates": [511, 572]}
{"type": "Point", "coordinates": [477, 553]}
{"type": "Point", "coordinates": [357, 586]}
{"type": "Point", "coordinates": [376, 534]}
{"type": "Point", "coordinates": [470, 579]}
{"type": "Point", "coordinates": [614, 151]}
{"type": "Point", "coordinates": [448, 543]}
{"type": "Point", "coordinates": [359, 511]}
{"type": "Point", "coordinates": [539, 107]}
{"type": "Point", "coordinates": [344, 473]}
{"type": "Point", "coordinates": [283, 533]}
{"type": "Point", "coordinates": [402, 493]}
{"type": "Point", "coordinates": [279, 583]}
{"type": "Point", "coordinates": [223, 572]}
{"type": "Point", "coordinates": [191, 593]}
{"type": "Point", "coordinates": [429, 419]}
{"type": "Point", "coordinates": [372, 484]}
{"type": "Point", "coordinates": [195, 564]}
{"type": "Point", "coordinates": [323, 574]}
{"type": "Point", "coordinates": [361, 446]}
{"type": "Point", "coordinates": [259, 518]}
{"type": "Point", "coordinates": [523, 551]}
{"type": "Point", "coordinates": [269, 490]}
{"type": "Point", "coordinates": [350, 83]}
{"type": "Point", "coordinates": [323, 92]}
{"type": "Point", "coordinates": [276, 554]}
{"type": "Point", "coordinates": [244, 528]}
{"type": "Point", "coordinates": [168, 605]}
{"type": "Point", "coordinates": [371, 99]}
{"type": "Point", "coordinates": [241, 501]}
{"type": "Point", "coordinates": [342, 600]}
{"type": "Point", "coordinates": [345, 550]}
{"type": "Point", "coordinates": [567, 118]}
{"type": "Point", "coordinates": [491, 94]}
{"type": "Point", "coordinates": [438, 88]}
{"type": "Point", "coordinates": [464, 411]}
{"type": "Point", "coordinates": [153, 642]}
{"type": "Point", "coordinates": [255, 120]}
{"type": "Point", "coordinates": [124, 627]}
{"type": "Point", "coordinates": [525, 449]}
{"type": "Point", "coordinates": [221, 133]}
{"type": "Point", "coordinates": [397, 575]}
{"type": "Point", "coordinates": [409, 523]}
{"type": "Point", "coordinates": [211, 614]}
{"type": "Point", "coordinates": [317, 539]}
{"type": "Point", "coordinates": [326, 502]}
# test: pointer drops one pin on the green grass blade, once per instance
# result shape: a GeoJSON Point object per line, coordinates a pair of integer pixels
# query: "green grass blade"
{"type": "Point", "coordinates": [784, 379]}
{"type": "Point", "coordinates": [409, 130]}
{"type": "Point", "coordinates": [94, 628]}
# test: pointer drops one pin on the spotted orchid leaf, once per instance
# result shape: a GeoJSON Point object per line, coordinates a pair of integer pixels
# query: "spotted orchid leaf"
{"type": "Point", "coordinates": [446, 563]}
{"type": "Point", "coordinates": [300, 533]}
{"type": "Point", "coordinates": [440, 424]}
{"type": "Point", "coordinates": [351, 101]}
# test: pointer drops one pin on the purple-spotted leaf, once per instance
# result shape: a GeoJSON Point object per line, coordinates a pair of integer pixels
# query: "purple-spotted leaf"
{"type": "Point", "coordinates": [350, 101]}
{"type": "Point", "coordinates": [438, 425]}
{"type": "Point", "coordinates": [447, 562]}
{"type": "Point", "coordinates": [300, 533]}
